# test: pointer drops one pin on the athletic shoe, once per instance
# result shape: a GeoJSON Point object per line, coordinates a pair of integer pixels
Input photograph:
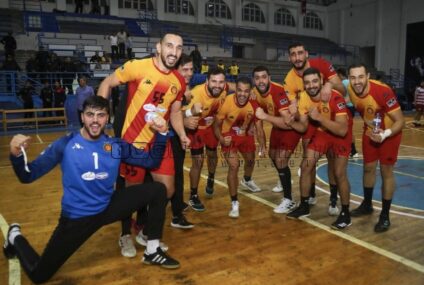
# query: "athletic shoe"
{"type": "Point", "coordinates": [142, 240]}
{"type": "Point", "coordinates": [301, 211]}
{"type": "Point", "coordinates": [160, 258]}
{"type": "Point", "coordinates": [312, 200]}
{"type": "Point", "coordinates": [181, 223]}
{"type": "Point", "coordinates": [355, 155]}
{"type": "Point", "coordinates": [250, 185]}
{"type": "Point", "coordinates": [362, 210]}
{"type": "Point", "coordinates": [285, 206]}
{"type": "Point", "coordinates": [382, 225]}
{"type": "Point", "coordinates": [278, 188]}
{"type": "Point", "coordinates": [342, 222]}
{"type": "Point", "coordinates": [127, 246]}
{"type": "Point", "coordinates": [195, 203]}
{"type": "Point", "coordinates": [234, 213]}
{"type": "Point", "coordinates": [333, 210]}
{"type": "Point", "coordinates": [209, 192]}
{"type": "Point", "coordinates": [8, 249]}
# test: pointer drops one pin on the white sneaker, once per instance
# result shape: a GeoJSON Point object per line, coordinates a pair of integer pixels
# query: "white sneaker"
{"type": "Point", "coordinates": [250, 185]}
{"type": "Point", "coordinates": [312, 200]}
{"type": "Point", "coordinates": [355, 156]}
{"type": "Point", "coordinates": [285, 206]}
{"type": "Point", "coordinates": [278, 188]}
{"type": "Point", "coordinates": [234, 213]}
{"type": "Point", "coordinates": [142, 240]}
{"type": "Point", "coordinates": [333, 211]}
{"type": "Point", "coordinates": [127, 246]}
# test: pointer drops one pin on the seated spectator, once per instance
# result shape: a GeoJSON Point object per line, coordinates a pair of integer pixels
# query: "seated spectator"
{"type": "Point", "coordinates": [10, 64]}
{"type": "Point", "coordinates": [96, 58]}
{"type": "Point", "coordinates": [46, 95]}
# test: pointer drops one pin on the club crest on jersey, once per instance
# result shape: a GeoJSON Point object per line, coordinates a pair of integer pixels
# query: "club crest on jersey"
{"type": "Point", "coordinates": [107, 147]}
{"type": "Point", "coordinates": [174, 90]}
{"type": "Point", "coordinates": [370, 110]}
{"type": "Point", "coordinates": [391, 102]}
{"type": "Point", "coordinates": [325, 110]}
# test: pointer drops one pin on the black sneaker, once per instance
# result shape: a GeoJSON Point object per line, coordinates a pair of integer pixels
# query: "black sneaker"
{"type": "Point", "coordinates": [301, 211]}
{"type": "Point", "coordinates": [362, 210]}
{"type": "Point", "coordinates": [342, 222]}
{"type": "Point", "coordinates": [382, 225]}
{"type": "Point", "coordinates": [209, 192]}
{"type": "Point", "coordinates": [8, 249]}
{"type": "Point", "coordinates": [160, 258]}
{"type": "Point", "coordinates": [181, 223]}
{"type": "Point", "coordinates": [195, 203]}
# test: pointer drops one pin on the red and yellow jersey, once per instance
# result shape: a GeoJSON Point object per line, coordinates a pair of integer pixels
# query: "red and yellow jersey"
{"type": "Point", "coordinates": [293, 83]}
{"type": "Point", "coordinates": [380, 99]}
{"type": "Point", "coordinates": [336, 106]}
{"type": "Point", "coordinates": [149, 90]}
{"type": "Point", "coordinates": [274, 101]}
{"type": "Point", "coordinates": [237, 119]}
{"type": "Point", "coordinates": [210, 105]}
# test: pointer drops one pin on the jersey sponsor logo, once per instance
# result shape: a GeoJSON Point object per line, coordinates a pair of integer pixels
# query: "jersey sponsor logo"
{"type": "Point", "coordinates": [149, 107]}
{"type": "Point", "coordinates": [341, 106]}
{"type": "Point", "coordinates": [88, 176]}
{"type": "Point", "coordinates": [331, 68]}
{"type": "Point", "coordinates": [160, 110]}
{"type": "Point", "coordinates": [77, 146]}
{"type": "Point", "coordinates": [391, 102]}
{"type": "Point", "coordinates": [107, 147]}
{"type": "Point", "coordinates": [283, 101]}
{"type": "Point", "coordinates": [102, 175]}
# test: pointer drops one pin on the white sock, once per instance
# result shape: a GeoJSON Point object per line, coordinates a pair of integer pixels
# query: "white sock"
{"type": "Point", "coordinates": [152, 246]}
{"type": "Point", "coordinates": [13, 234]}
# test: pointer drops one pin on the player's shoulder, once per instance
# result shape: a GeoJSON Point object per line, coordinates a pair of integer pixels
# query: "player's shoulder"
{"type": "Point", "coordinates": [179, 77]}
{"type": "Point", "coordinates": [277, 86]}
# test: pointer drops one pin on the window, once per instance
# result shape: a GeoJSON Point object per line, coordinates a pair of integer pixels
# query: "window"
{"type": "Point", "coordinates": [218, 9]}
{"type": "Point", "coordinates": [145, 5]}
{"type": "Point", "coordinates": [252, 13]}
{"type": "Point", "coordinates": [283, 17]}
{"type": "Point", "coordinates": [312, 21]}
{"type": "Point", "coordinates": [179, 7]}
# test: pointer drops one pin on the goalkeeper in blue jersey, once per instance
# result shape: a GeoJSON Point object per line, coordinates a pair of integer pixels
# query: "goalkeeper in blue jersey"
{"type": "Point", "coordinates": [89, 162]}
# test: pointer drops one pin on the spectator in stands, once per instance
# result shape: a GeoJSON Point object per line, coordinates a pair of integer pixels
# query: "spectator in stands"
{"type": "Point", "coordinates": [42, 62]}
{"type": "Point", "coordinates": [114, 46]}
{"type": "Point", "coordinates": [68, 73]}
{"type": "Point", "coordinates": [10, 64]}
{"type": "Point", "coordinates": [197, 59]}
{"type": "Point", "coordinates": [46, 95]}
{"type": "Point", "coordinates": [106, 5]}
{"type": "Point", "coordinates": [122, 39]}
{"type": "Point", "coordinates": [129, 45]}
{"type": "Point", "coordinates": [234, 70]}
{"type": "Point", "coordinates": [25, 94]}
{"type": "Point", "coordinates": [205, 67]}
{"type": "Point", "coordinates": [9, 43]}
{"type": "Point", "coordinates": [221, 65]}
{"type": "Point", "coordinates": [79, 5]}
{"type": "Point", "coordinates": [30, 67]}
{"type": "Point", "coordinates": [83, 92]}
{"type": "Point", "coordinates": [97, 60]}
{"type": "Point", "coordinates": [419, 104]}
{"type": "Point", "coordinates": [59, 97]}
{"type": "Point", "coordinates": [95, 7]}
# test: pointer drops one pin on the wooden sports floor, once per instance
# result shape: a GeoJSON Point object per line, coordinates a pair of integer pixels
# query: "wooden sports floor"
{"type": "Point", "coordinates": [260, 247]}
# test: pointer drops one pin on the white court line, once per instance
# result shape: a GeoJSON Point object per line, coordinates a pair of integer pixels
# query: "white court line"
{"type": "Point", "coordinates": [14, 266]}
{"type": "Point", "coordinates": [39, 139]}
{"type": "Point", "coordinates": [378, 208]}
{"type": "Point", "coordinates": [376, 249]}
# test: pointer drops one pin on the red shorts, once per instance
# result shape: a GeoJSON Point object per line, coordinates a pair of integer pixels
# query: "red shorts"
{"type": "Point", "coordinates": [135, 174]}
{"type": "Point", "coordinates": [284, 139]}
{"type": "Point", "coordinates": [202, 137]}
{"type": "Point", "coordinates": [322, 142]}
{"type": "Point", "coordinates": [385, 152]}
{"type": "Point", "coordinates": [310, 131]}
{"type": "Point", "coordinates": [243, 144]}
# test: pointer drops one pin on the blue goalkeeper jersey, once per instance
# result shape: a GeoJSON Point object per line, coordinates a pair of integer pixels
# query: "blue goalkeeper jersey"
{"type": "Point", "coordinates": [89, 169]}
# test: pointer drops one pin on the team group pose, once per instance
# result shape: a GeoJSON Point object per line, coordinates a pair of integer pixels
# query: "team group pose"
{"type": "Point", "coordinates": [161, 117]}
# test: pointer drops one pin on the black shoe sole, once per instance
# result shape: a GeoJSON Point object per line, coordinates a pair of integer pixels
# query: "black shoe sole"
{"type": "Point", "coordinates": [178, 226]}
{"type": "Point", "coordinates": [335, 227]}
{"type": "Point", "coordinates": [362, 213]}
{"type": "Point", "coordinates": [297, 218]}
{"type": "Point", "coordinates": [162, 265]}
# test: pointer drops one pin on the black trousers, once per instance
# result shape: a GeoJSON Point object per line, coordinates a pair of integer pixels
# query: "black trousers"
{"type": "Point", "coordinates": [70, 234]}
{"type": "Point", "coordinates": [177, 201]}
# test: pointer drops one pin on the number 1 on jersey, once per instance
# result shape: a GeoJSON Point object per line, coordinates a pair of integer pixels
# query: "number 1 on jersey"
{"type": "Point", "coordinates": [96, 160]}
